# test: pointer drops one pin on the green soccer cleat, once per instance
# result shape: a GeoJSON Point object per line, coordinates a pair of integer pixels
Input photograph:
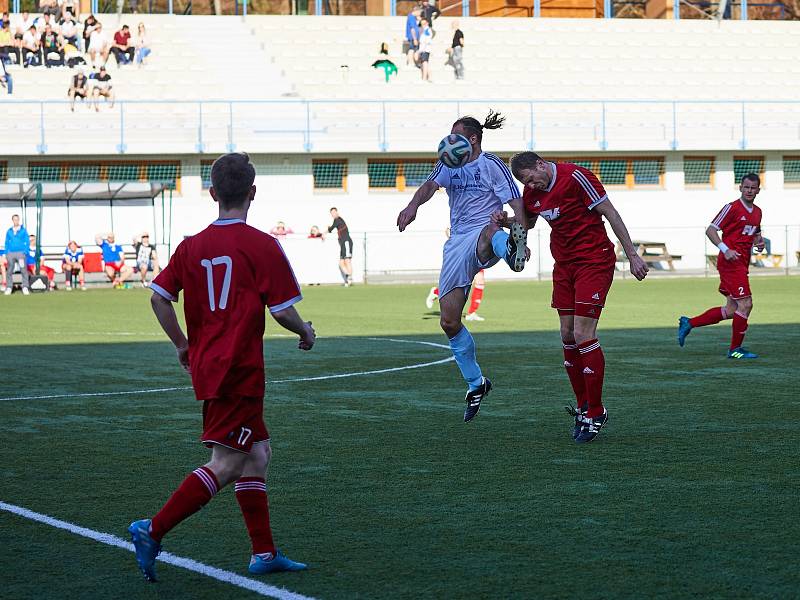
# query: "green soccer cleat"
{"type": "Point", "coordinates": [741, 352]}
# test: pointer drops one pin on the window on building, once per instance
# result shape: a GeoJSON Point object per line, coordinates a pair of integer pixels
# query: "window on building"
{"type": "Point", "coordinates": [742, 165]}
{"type": "Point", "coordinates": [167, 173]}
{"type": "Point", "coordinates": [205, 173]}
{"type": "Point", "coordinates": [3, 171]}
{"type": "Point", "coordinates": [623, 171]}
{"type": "Point", "coordinates": [330, 174]}
{"type": "Point", "coordinates": [698, 171]}
{"type": "Point", "coordinates": [791, 170]}
{"type": "Point", "coordinates": [398, 174]}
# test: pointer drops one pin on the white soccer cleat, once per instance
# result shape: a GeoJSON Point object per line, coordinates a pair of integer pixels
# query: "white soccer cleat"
{"type": "Point", "coordinates": [432, 297]}
{"type": "Point", "coordinates": [8, 291]}
{"type": "Point", "coordinates": [25, 291]}
{"type": "Point", "coordinates": [474, 317]}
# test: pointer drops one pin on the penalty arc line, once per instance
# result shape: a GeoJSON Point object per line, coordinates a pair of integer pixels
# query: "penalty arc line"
{"type": "Point", "coordinates": [189, 564]}
{"type": "Point", "coordinates": [298, 379]}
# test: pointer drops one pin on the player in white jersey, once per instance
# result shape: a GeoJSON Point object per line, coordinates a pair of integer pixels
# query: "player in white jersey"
{"type": "Point", "coordinates": [476, 191]}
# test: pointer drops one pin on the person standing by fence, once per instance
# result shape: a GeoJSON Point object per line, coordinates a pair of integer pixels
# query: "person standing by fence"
{"type": "Point", "coordinates": [17, 246]}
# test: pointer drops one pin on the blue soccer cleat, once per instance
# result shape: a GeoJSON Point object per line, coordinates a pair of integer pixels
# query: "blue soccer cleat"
{"type": "Point", "coordinates": [146, 548]}
{"type": "Point", "coordinates": [741, 352]}
{"type": "Point", "coordinates": [474, 398]}
{"type": "Point", "coordinates": [260, 566]}
{"type": "Point", "coordinates": [684, 328]}
{"type": "Point", "coordinates": [515, 247]}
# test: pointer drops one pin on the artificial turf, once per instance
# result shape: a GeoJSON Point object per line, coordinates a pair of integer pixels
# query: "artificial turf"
{"type": "Point", "coordinates": [690, 491]}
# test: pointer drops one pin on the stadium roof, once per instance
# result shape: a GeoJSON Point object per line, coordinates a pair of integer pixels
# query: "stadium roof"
{"type": "Point", "coordinates": [66, 190]}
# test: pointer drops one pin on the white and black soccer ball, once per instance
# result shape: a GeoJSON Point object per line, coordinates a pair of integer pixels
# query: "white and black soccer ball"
{"type": "Point", "coordinates": [454, 151]}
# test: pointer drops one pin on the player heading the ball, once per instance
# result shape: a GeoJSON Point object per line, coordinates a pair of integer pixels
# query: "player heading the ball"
{"type": "Point", "coordinates": [479, 187]}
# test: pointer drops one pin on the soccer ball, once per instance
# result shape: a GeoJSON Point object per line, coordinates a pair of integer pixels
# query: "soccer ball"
{"type": "Point", "coordinates": [454, 151]}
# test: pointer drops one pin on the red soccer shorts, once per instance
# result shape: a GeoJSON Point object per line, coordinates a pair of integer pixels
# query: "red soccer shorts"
{"type": "Point", "coordinates": [581, 288]}
{"type": "Point", "coordinates": [734, 282]}
{"type": "Point", "coordinates": [117, 266]}
{"type": "Point", "coordinates": [234, 422]}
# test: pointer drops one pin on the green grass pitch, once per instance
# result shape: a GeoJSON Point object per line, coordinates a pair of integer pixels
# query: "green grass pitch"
{"type": "Point", "coordinates": [690, 491]}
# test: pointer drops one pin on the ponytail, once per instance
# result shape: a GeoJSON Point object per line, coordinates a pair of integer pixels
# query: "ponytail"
{"type": "Point", "coordinates": [471, 125]}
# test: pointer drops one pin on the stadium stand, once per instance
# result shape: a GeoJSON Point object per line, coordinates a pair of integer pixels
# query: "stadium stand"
{"type": "Point", "coordinates": [673, 123]}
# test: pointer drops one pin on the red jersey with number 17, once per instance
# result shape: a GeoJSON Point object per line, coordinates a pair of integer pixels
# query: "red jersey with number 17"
{"type": "Point", "coordinates": [739, 226]}
{"type": "Point", "coordinates": [228, 273]}
{"type": "Point", "coordinates": [578, 233]}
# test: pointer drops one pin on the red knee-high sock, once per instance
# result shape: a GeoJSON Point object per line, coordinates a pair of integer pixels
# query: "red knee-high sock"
{"type": "Point", "coordinates": [738, 330]}
{"type": "Point", "coordinates": [192, 495]}
{"type": "Point", "coordinates": [594, 366]}
{"type": "Point", "coordinates": [251, 493]}
{"type": "Point", "coordinates": [574, 367]}
{"type": "Point", "coordinates": [475, 298]}
{"type": "Point", "coordinates": [710, 317]}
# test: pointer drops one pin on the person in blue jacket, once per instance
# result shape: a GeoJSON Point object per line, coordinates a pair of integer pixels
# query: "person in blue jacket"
{"type": "Point", "coordinates": [17, 246]}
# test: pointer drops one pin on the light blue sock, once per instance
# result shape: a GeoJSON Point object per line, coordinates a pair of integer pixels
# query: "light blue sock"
{"type": "Point", "coordinates": [499, 244]}
{"type": "Point", "coordinates": [463, 347]}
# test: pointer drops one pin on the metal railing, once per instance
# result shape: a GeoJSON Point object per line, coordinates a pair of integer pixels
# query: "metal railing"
{"type": "Point", "coordinates": [297, 126]}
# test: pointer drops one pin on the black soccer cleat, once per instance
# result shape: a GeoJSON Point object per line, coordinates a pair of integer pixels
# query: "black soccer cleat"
{"type": "Point", "coordinates": [515, 247]}
{"type": "Point", "coordinates": [474, 398]}
{"type": "Point", "coordinates": [590, 427]}
{"type": "Point", "coordinates": [577, 414]}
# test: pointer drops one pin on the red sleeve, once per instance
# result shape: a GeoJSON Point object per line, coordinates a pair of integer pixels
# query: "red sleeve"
{"type": "Point", "coordinates": [277, 284]}
{"type": "Point", "coordinates": [169, 282]}
{"type": "Point", "coordinates": [723, 217]}
{"type": "Point", "coordinates": [591, 190]}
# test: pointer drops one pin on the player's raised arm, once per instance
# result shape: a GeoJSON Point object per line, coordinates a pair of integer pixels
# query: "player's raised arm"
{"type": "Point", "coordinates": [290, 319]}
{"type": "Point", "coordinates": [168, 319]}
{"type": "Point", "coordinates": [424, 193]}
{"type": "Point", "coordinates": [639, 268]}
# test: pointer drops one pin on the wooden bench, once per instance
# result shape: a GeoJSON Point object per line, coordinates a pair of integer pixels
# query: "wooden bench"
{"type": "Point", "coordinates": [653, 253]}
{"type": "Point", "coordinates": [774, 260]}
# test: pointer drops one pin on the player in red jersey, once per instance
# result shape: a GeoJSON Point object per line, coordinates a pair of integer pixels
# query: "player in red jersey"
{"type": "Point", "coordinates": [228, 273]}
{"type": "Point", "coordinates": [572, 200]}
{"type": "Point", "coordinates": [740, 223]}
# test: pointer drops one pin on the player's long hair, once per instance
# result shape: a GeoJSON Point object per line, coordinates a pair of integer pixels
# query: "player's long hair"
{"type": "Point", "coordinates": [471, 125]}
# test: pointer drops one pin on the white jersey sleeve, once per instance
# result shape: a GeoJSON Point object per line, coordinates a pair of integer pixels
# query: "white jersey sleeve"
{"type": "Point", "coordinates": [503, 182]}
{"type": "Point", "coordinates": [440, 175]}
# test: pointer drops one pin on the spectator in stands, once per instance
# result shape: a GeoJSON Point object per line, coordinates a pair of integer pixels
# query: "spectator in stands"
{"type": "Point", "coordinates": [72, 265]}
{"type": "Point", "coordinates": [425, 42]}
{"type": "Point", "coordinates": [7, 45]}
{"type": "Point", "coordinates": [384, 62]}
{"type": "Point", "coordinates": [114, 259]}
{"type": "Point", "coordinates": [98, 44]}
{"type": "Point", "coordinates": [34, 256]}
{"type": "Point", "coordinates": [17, 245]}
{"type": "Point", "coordinates": [411, 44]}
{"type": "Point", "coordinates": [5, 19]}
{"type": "Point", "coordinates": [69, 30]}
{"type": "Point", "coordinates": [48, 7]}
{"type": "Point", "coordinates": [24, 24]}
{"type": "Point", "coordinates": [456, 51]}
{"type": "Point", "coordinates": [146, 257]}
{"type": "Point", "coordinates": [71, 7]}
{"type": "Point", "coordinates": [280, 230]}
{"type": "Point", "coordinates": [31, 54]}
{"type": "Point", "coordinates": [142, 46]}
{"type": "Point", "coordinates": [102, 87]}
{"type": "Point", "coordinates": [315, 233]}
{"type": "Point", "coordinates": [429, 12]}
{"type": "Point", "coordinates": [88, 27]}
{"type": "Point", "coordinates": [122, 48]}
{"type": "Point", "coordinates": [44, 21]}
{"type": "Point", "coordinates": [79, 88]}
{"type": "Point", "coordinates": [52, 49]}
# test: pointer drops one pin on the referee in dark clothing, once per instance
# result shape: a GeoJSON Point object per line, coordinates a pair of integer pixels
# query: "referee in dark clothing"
{"type": "Point", "coordinates": [345, 247]}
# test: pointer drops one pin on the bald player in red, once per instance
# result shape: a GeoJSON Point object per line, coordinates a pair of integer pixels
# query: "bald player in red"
{"type": "Point", "coordinates": [229, 273]}
{"type": "Point", "coordinates": [573, 201]}
{"type": "Point", "coordinates": [740, 224]}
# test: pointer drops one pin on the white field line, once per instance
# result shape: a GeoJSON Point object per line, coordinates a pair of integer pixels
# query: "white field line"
{"type": "Point", "coordinates": [317, 378]}
{"type": "Point", "coordinates": [258, 587]}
